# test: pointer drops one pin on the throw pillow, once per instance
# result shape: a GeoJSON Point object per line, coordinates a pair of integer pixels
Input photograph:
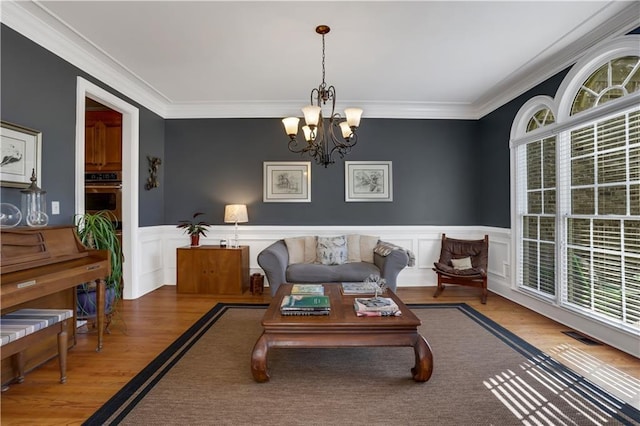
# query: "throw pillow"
{"type": "Point", "coordinates": [353, 248]}
{"type": "Point", "coordinates": [464, 263]}
{"type": "Point", "coordinates": [367, 245]}
{"type": "Point", "coordinates": [309, 249]}
{"type": "Point", "coordinates": [295, 247]}
{"type": "Point", "coordinates": [332, 250]}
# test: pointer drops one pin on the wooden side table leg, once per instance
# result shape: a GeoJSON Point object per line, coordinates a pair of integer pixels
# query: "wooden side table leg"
{"type": "Point", "coordinates": [62, 350]}
{"type": "Point", "coordinates": [259, 360]}
{"type": "Point", "coordinates": [424, 360]}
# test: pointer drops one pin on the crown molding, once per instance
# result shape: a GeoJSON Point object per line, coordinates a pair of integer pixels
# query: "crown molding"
{"type": "Point", "coordinates": [260, 109]}
{"type": "Point", "coordinates": [36, 22]}
{"type": "Point", "coordinates": [533, 73]}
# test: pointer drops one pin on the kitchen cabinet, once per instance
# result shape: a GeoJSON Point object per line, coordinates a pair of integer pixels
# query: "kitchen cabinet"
{"type": "Point", "coordinates": [213, 270]}
{"type": "Point", "coordinates": [103, 141]}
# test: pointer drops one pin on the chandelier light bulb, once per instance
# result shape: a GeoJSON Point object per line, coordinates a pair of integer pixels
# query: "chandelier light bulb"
{"type": "Point", "coordinates": [291, 125]}
{"type": "Point", "coordinates": [346, 130]}
{"type": "Point", "coordinates": [311, 115]}
{"type": "Point", "coordinates": [309, 135]}
{"type": "Point", "coordinates": [353, 116]}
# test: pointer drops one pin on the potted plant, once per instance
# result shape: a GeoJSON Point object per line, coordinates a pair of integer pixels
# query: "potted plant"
{"type": "Point", "coordinates": [98, 231]}
{"type": "Point", "coordinates": [194, 228]}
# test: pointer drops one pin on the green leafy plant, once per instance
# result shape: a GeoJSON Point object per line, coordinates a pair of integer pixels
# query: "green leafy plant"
{"type": "Point", "coordinates": [193, 227]}
{"type": "Point", "coordinates": [98, 231]}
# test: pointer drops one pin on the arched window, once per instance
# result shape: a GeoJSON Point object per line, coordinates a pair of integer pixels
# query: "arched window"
{"type": "Point", "coordinates": [577, 186]}
{"type": "Point", "coordinates": [541, 118]}
{"type": "Point", "coordinates": [615, 79]}
{"type": "Point", "coordinates": [536, 210]}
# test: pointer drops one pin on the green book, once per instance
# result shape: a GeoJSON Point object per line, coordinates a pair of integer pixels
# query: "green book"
{"type": "Point", "coordinates": [305, 302]}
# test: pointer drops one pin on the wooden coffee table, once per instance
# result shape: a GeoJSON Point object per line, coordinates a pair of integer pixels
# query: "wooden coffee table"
{"type": "Point", "coordinates": [341, 328]}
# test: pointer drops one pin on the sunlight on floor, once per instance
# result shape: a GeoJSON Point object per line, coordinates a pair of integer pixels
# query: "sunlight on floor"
{"type": "Point", "coordinates": [523, 396]}
{"type": "Point", "coordinates": [618, 383]}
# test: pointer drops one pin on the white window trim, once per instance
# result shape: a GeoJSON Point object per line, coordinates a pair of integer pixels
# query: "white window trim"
{"type": "Point", "coordinates": [561, 105]}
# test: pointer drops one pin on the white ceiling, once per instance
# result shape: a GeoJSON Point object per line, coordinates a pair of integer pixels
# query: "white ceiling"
{"type": "Point", "coordinates": [415, 59]}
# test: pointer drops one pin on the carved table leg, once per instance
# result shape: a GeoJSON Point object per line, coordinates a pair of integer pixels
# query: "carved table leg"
{"type": "Point", "coordinates": [424, 360]}
{"type": "Point", "coordinates": [259, 360]}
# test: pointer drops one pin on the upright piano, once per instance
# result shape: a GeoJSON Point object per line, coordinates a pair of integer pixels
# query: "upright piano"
{"type": "Point", "coordinates": [37, 264]}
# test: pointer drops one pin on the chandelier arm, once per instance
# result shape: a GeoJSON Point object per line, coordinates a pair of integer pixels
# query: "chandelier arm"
{"type": "Point", "coordinates": [293, 143]}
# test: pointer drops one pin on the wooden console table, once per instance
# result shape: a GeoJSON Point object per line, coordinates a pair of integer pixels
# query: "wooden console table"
{"type": "Point", "coordinates": [213, 269]}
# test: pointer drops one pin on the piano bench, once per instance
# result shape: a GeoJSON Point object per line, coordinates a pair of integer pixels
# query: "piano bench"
{"type": "Point", "coordinates": [22, 328]}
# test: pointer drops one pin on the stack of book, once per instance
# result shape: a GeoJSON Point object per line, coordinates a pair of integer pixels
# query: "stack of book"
{"type": "Point", "coordinates": [305, 305]}
{"type": "Point", "coordinates": [376, 307]}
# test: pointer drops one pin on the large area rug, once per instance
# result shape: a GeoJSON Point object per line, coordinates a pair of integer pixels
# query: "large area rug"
{"type": "Point", "coordinates": [483, 375]}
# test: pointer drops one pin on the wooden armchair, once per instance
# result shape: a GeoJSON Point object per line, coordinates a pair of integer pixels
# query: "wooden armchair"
{"type": "Point", "coordinates": [463, 262]}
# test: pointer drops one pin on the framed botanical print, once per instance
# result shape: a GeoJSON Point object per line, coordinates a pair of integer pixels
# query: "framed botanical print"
{"type": "Point", "coordinates": [20, 155]}
{"type": "Point", "coordinates": [287, 182]}
{"type": "Point", "coordinates": [368, 181]}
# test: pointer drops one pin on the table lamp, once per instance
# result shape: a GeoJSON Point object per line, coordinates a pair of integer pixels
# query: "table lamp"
{"type": "Point", "coordinates": [236, 213]}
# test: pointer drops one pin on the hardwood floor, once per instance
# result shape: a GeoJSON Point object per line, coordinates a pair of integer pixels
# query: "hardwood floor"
{"type": "Point", "coordinates": [145, 327]}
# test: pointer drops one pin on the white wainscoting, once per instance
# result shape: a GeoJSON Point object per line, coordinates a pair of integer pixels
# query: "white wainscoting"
{"type": "Point", "coordinates": [157, 247]}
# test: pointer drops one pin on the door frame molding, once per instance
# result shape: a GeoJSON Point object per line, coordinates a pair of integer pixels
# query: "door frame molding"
{"type": "Point", "coordinates": [130, 172]}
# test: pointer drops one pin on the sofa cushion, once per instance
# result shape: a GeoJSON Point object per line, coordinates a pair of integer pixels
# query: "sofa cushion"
{"type": "Point", "coordinates": [316, 273]}
{"type": "Point", "coordinates": [360, 248]}
{"type": "Point", "coordinates": [310, 249]}
{"type": "Point", "coordinates": [301, 249]}
{"type": "Point", "coordinates": [295, 247]}
{"type": "Point", "coordinates": [332, 250]}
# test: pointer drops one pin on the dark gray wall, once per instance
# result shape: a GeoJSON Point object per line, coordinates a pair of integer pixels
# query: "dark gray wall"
{"type": "Point", "coordinates": [39, 91]}
{"type": "Point", "coordinates": [445, 172]}
{"type": "Point", "coordinates": [493, 156]}
{"type": "Point", "coordinates": [213, 162]}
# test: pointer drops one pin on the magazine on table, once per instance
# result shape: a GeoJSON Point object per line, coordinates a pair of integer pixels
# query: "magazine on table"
{"type": "Point", "coordinates": [394, 313]}
{"type": "Point", "coordinates": [375, 304]}
{"type": "Point", "coordinates": [313, 289]}
{"type": "Point", "coordinates": [358, 288]}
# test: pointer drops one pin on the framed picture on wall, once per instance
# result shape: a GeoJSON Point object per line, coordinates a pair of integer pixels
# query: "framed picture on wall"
{"type": "Point", "coordinates": [368, 181]}
{"type": "Point", "coordinates": [20, 154]}
{"type": "Point", "coordinates": [287, 182]}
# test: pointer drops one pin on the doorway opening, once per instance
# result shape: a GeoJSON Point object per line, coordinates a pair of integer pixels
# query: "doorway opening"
{"type": "Point", "coordinates": [87, 96]}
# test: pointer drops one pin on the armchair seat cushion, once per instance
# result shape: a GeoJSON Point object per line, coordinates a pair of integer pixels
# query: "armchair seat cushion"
{"type": "Point", "coordinates": [450, 270]}
{"type": "Point", "coordinates": [317, 273]}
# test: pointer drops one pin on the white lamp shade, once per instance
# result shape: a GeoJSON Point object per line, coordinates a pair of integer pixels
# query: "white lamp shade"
{"type": "Point", "coordinates": [346, 130]}
{"type": "Point", "coordinates": [311, 115]}
{"type": "Point", "coordinates": [307, 133]}
{"type": "Point", "coordinates": [353, 116]}
{"type": "Point", "coordinates": [235, 213]}
{"type": "Point", "coordinates": [291, 125]}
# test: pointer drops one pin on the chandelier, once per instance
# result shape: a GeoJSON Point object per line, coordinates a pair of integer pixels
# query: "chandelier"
{"type": "Point", "coordinates": [321, 141]}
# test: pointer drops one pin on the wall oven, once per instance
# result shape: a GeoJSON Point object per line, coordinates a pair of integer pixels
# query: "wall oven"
{"type": "Point", "coordinates": [103, 191]}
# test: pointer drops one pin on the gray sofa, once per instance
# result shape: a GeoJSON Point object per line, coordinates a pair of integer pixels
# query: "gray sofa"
{"type": "Point", "coordinates": [274, 260]}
